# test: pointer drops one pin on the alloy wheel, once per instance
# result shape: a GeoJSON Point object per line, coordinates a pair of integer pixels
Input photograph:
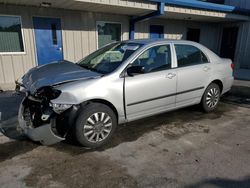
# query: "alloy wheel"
{"type": "Point", "coordinates": [97, 127]}
{"type": "Point", "coordinates": [213, 97]}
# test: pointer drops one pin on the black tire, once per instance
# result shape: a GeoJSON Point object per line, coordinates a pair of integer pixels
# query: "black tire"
{"type": "Point", "coordinates": [211, 98]}
{"type": "Point", "coordinates": [98, 127]}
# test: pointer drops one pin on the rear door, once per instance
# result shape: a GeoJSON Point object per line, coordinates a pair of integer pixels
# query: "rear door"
{"type": "Point", "coordinates": [193, 73]}
{"type": "Point", "coordinates": [154, 91]}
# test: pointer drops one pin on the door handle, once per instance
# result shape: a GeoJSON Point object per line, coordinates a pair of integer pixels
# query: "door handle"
{"type": "Point", "coordinates": [170, 75]}
{"type": "Point", "coordinates": [59, 49]}
{"type": "Point", "coordinates": [206, 68]}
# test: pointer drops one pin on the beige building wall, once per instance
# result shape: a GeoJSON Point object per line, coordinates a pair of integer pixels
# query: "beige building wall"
{"type": "Point", "coordinates": [78, 35]}
{"type": "Point", "coordinates": [177, 29]}
{"type": "Point", "coordinates": [242, 55]}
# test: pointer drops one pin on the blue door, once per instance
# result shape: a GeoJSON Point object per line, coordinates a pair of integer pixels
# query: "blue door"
{"type": "Point", "coordinates": [48, 36]}
{"type": "Point", "coordinates": [156, 31]}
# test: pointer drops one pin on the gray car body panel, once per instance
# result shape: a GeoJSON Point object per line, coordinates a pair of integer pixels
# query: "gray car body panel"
{"type": "Point", "coordinates": [110, 87]}
{"type": "Point", "coordinates": [125, 93]}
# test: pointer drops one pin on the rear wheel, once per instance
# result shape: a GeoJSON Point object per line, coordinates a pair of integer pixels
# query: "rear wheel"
{"type": "Point", "coordinates": [95, 125]}
{"type": "Point", "coordinates": [211, 97]}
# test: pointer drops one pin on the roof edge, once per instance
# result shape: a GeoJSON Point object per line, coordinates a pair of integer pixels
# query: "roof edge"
{"type": "Point", "coordinates": [205, 6]}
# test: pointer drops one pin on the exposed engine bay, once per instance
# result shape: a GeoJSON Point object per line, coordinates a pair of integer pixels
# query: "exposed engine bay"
{"type": "Point", "coordinates": [39, 118]}
{"type": "Point", "coordinates": [43, 121]}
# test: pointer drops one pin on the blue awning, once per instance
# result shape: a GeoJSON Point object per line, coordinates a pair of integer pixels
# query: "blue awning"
{"type": "Point", "coordinates": [199, 5]}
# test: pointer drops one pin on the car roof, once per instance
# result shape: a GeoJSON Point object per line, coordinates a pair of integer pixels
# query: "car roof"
{"type": "Point", "coordinates": [145, 42]}
{"type": "Point", "coordinates": [153, 41]}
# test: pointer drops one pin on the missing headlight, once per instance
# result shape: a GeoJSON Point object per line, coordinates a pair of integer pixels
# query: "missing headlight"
{"type": "Point", "coordinates": [48, 92]}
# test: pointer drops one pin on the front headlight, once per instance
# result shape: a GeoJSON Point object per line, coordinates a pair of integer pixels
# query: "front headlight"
{"type": "Point", "coordinates": [59, 108]}
{"type": "Point", "coordinates": [19, 85]}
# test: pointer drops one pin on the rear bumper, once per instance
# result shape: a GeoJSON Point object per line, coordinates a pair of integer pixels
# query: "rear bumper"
{"type": "Point", "coordinates": [43, 134]}
{"type": "Point", "coordinates": [227, 84]}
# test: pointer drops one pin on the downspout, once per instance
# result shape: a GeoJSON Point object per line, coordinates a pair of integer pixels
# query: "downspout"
{"type": "Point", "coordinates": [158, 12]}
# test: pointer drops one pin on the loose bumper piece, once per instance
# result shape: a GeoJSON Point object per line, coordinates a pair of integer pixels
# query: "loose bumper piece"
{"type": "Point", "coordinates": [43, 134]}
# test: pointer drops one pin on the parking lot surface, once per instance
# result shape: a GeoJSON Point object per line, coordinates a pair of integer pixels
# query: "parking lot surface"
{"type": "Point", "coordinates": [184, 148]}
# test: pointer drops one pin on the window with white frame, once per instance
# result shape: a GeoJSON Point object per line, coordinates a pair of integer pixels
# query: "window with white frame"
{"type": "Point", "coordinates": [11, 34]}
{"type": "Point", "coordinates": [108, 32]}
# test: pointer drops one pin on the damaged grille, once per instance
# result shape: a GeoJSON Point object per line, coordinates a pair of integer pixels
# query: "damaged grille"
{"type": "Point", "coordinates": [37, 112]}
{"type": "Point", "coordinates": [34, 109]}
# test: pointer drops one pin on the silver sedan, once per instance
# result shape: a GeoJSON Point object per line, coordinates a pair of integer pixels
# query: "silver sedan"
{"type": "Point", "coordinates": [119, 83]}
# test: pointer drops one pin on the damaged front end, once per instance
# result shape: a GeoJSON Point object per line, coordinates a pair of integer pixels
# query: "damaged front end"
{"type": "Point", "coordinates": [43, 121]}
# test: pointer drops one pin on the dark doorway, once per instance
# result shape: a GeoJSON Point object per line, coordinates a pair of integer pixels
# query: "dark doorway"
{"type": "Point", "coordinates": [156, 31]}
{"type": "Point", "coordinates": [193, 34]}
{"type": "Point", "coordinates": [228, 42]}
{"type": "Point", "coordinates": [216, 1]}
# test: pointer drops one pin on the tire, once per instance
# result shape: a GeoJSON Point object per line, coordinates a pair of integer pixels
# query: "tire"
{"type": "Point", "coordinates": [95, 125]}
{"type": "Point", "coordinates": [211, 98]}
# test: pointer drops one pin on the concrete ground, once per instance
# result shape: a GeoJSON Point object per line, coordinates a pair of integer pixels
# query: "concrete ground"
{"type": "Point", "coordinates": [184, 148]}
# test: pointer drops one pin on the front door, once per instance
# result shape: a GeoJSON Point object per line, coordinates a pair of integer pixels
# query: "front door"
{"type": "Point", "coordinates": [156, 31]}
{"type": "Point", "coordinates": [48, 36]}
{"type": "Point", "coordinates": [153, 91]}
{"type": "Point", "coordinates": [228, 43]}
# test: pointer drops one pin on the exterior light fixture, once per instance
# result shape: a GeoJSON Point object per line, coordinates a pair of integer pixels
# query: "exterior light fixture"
{"type": "Point", "coordinates": [188, 18]}
{"type": "Point", "coordinates": [45, 4]}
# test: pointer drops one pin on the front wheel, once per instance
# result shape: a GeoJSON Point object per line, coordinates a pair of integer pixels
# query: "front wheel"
{"type": "Point", "coordinates": [211, 97]}
{"type": "Point", "coordinates": [95, 125]}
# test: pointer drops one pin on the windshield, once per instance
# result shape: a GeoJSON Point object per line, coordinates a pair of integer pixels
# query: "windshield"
{"type": "Point", "coordinates": [108, 58]}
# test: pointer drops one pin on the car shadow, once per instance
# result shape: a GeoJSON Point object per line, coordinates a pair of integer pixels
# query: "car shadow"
{"type": "Point", "coordinates": [241, 101]}
{"type": "Point", "coordinates": [125, 133]}
{"type": "Point", "coordinates": [238, 95]}
{"type": "Point", "coordinates": [14, 148]}
{"type": "Point", "coordinates": [132, 131]}
{"type": "Point", "coordinates": [9, 104]}
{"type": "Point", "coordinates": [18, 144]}
{"type": "Point", "coordinates": [222, 183]}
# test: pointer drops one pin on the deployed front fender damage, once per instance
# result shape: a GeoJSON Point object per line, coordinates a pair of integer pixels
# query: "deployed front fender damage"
{"type": "Point", "coordinates": [45, 133]}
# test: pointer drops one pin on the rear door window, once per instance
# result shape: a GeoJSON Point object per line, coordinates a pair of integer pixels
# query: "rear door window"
{"type": "Point", "coordinates": [188, 55]}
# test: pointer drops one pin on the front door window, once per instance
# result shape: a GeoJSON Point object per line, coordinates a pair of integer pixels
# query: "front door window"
{"type": "Point", "coordinates": [155, 59]}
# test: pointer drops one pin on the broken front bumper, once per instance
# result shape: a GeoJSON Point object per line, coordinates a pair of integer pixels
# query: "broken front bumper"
{"type": "Point", "coordinates": [44, 134]}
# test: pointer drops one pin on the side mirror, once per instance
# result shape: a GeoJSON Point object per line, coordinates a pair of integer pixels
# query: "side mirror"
{"type": "Point", "coordinates": [133, 70]}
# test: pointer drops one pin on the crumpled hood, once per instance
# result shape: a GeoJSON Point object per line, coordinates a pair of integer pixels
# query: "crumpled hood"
{"type": "Point", "coordinates": [55, 73]}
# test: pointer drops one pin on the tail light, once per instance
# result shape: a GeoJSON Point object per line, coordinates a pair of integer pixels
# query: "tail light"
{"type": "Point", "coordinates": [232, 65]}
